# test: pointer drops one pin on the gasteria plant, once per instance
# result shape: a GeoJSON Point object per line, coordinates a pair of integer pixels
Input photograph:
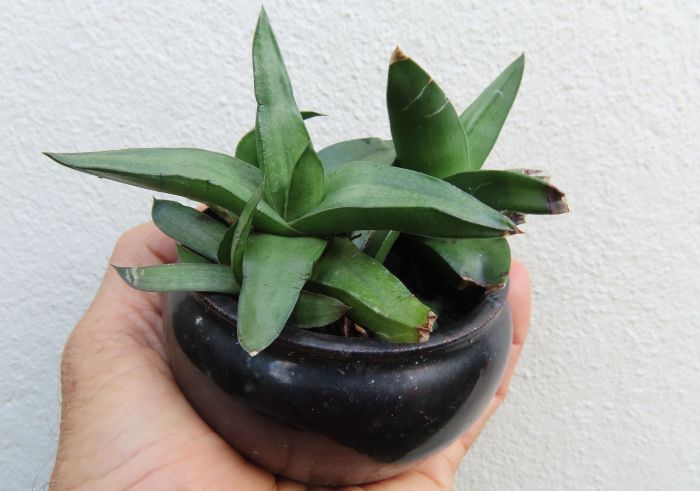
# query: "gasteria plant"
{"type": "Point", "coordinates": [300, 236]}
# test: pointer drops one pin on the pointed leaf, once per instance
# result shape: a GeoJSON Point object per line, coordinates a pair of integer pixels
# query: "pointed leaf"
{"type": "Point", "coordinates": [512, 191]}
{"type": "Point", "coordinates": [363, 195]}
{"type": "Point", "coordinates": [204, 176]}
{"type": "Point", "coordinates": [284, 149]}
{"type": "Point", "coordinates": [311, 310]}
{"type": "Point", "coordinates": [232, 248]}
{"type": "Point", "coordinates": [485, 262]}
{"type": "Point", "coordinates": [484, 118]}
{"type": "Point", "coordinates": [316, 310]}
{"type": "Point", "coordinates": [275, 269]}
{"type": "Point", "coordinates": [188, 226]}
{"type": "Point", "coordinates": [246, 149]}
{"type": "Point", "coordinates": [424, 125]}
{"type": "Point", "coordinates": [307, 184]}
{"type": "Point", "coordinates": [180, 277]}
{"type": "Point", "coordinates": [185, 255]}
{"type": "Point", "coordinates": [362, 149]}
{"type": "Point", "coordinates": [379, 301]}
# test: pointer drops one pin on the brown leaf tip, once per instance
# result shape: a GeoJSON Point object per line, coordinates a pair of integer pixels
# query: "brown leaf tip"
{"type": "Point", "coordinates": [516, 217]}
{"type": "Point", "coordinates": [556, 201]}
{"type": "Point", "coordinates": [397, 55]}
{"type": "Point", "coordinates": [495, 286]}
{"type": "Point", "coordinates": [425, 330]}
{"type": "Point", "coordinates": [361, 330]}
{"type": "Point", "coordinates": [515, 231]}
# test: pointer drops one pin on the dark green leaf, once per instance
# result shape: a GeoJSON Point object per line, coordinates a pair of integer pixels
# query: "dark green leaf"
{"type": "Point", "coordinates": [275, 269]}
{"type": "Point", "coordinates": [316, 310]}
{"type": "Point", "coordinates": [181, 277]}
{"type": "Point", "coordinates": [512, 191]}
{"type": "Point", "coordinates": [380, 243]}
{"type": "Point", "coordinates": [246, 149]}
{"type": "Point", "coordinates": [223, 253]}
{"type": "Point", "coordinates": [484, 118]}
{"type": "Point", "coordinates": [293, 173]}
{"type": "Point", "coordinates": [232, 249]}
{"type": "Point", "coordinates": [307, 184]}
{"type": "Point", "coordinates": [185, 255]}
{"type": "Point", "coordinates": [200, 175]}
{"type": "Point", "coordinates": [364, 196]}
{"type": "Point", "coordinates": [379, 301]}
{"type": "Point", "coordinates": [424, 125]}
{"type": "Point", "coordinates": [363, 149]}
{"type": "Point", "coordinates": [485, 262]}
{"type": "Point", "coordinates": [188, 226]}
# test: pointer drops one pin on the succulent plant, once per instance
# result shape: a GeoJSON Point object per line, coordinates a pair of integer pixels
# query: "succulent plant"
{"type": "Point", "coordinates": [300, 237]}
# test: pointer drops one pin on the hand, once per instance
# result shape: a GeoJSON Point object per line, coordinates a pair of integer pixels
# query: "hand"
{"type": "Point", "coordinates": [126, 425]}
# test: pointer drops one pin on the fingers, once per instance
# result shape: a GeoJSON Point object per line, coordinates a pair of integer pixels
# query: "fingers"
{"type": "Point", "coordinates": [143, 245]}
{"type": "Point", "coordinates": [519, 303]}
{"type": "Point", "coordinates": [118, 309]}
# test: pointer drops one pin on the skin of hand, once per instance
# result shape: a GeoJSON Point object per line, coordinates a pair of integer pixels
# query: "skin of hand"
{"type": "Point", "coordinates": [126, 425]}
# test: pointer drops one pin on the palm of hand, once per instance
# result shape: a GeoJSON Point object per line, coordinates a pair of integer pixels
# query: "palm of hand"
{"type": "Point", "coordinates": [126, 425]}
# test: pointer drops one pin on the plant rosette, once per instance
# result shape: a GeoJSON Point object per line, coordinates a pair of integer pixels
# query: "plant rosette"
{"type": "Point", "coordinates": [337, 316]}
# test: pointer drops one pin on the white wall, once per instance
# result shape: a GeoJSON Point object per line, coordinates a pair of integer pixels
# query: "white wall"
{"type": "Point", "coordinates": [606, 396]}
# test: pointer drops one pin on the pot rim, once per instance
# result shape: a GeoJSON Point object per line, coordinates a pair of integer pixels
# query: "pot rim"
{"type": "Point", "coordinates": [304, 341]}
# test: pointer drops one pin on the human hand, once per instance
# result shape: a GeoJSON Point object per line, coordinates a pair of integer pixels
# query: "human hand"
{"type": "Point", "coordinates": [126, 425]}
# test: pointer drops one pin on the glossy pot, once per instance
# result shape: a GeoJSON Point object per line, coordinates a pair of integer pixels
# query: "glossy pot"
{"type": "Point", "coordinates": [325, 409]}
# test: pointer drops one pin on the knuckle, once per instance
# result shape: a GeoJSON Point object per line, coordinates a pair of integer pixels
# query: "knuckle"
{"type": "Point", "coordinates": [127, 237]}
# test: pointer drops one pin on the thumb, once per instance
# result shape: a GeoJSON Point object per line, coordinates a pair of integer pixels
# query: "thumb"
{"type": "Point", "coordinates": [143, 245]}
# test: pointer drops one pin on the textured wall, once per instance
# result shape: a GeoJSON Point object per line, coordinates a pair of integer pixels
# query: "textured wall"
{"type": "Point", "coordinates": [606, 395]}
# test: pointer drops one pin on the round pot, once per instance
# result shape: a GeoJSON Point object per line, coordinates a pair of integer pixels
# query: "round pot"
{"type": "Point", "coordinates": [325, 409]}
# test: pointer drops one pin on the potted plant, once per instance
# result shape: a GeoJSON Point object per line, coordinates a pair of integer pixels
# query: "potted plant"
{"type": "Point", "coordinates": [338, 315]}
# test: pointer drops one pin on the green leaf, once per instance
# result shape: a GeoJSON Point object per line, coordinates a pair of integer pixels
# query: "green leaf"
{"type": "Point", "coordinates": [185, 255]}
{"type": "Point", "coordinates": [232, 248]}
{"type": "Point", "coordinates": [484, 118]}
{"type": "Point", "coordinates": [362, 149]}
{"type": "Point", "coordinates": [190, 227]}
{"type": "Point", "coordinates": [379, 301]}
{"type": "Point", "coordinates": [246, 149]}
{"type": "Point", "coordinates": [424, 125]}
{"type": "Point", "coordinates": [275, 269]}
{"type": "Point", "coordinates": [363, 196]}
{"type": "Point", "coordinates": [380, 243]}
{"type": "Point", "coordinates": [311, 310]}
{"type": "Point", "coordinates": [223, 252]}
{"type": "Point", "coordinates": [180, 277]}
{"type": "Point", "coordinates": [307, 184]}
{"type": "Point", "coordinates": [485, 262]}
{"type": "Point", "coordinates": [204, 176]}
{"type": "Point", "coordinates": [316, 310]}
{"type": "Point", "coordinates": [293, 172]}
{"type": "Point", "coordinates": [512, 191]}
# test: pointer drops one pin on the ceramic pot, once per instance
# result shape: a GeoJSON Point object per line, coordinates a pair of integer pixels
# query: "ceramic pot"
{"type": "Point", "coordinates": [324, 409]}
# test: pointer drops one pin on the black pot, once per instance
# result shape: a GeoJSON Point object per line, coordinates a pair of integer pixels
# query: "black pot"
{"type": "Point", "coordinates": [325, 409]}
